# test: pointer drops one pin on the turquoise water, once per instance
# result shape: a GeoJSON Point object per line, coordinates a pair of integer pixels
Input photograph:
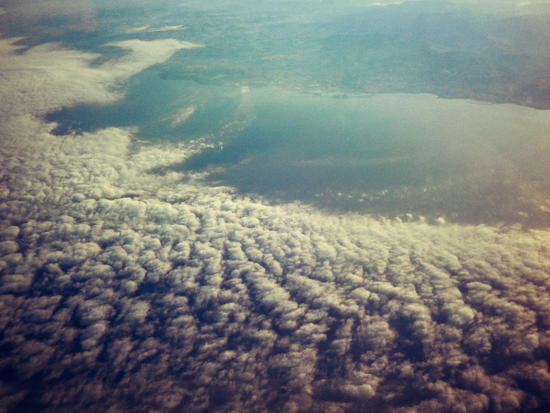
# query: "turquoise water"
{"type": "Point", "coordinates": [300, 103]}
{"type": "Point", "coordinates": [151, 104]}
{"type": "Point", "coordinates": [386, 154]}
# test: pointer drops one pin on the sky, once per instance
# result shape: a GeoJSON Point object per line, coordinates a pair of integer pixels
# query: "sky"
{"type": "Point", "coordinates": [198, 215]}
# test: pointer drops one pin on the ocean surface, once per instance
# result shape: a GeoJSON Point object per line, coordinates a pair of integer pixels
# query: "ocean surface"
{"type": "Point", "coordinates": [383, 154]}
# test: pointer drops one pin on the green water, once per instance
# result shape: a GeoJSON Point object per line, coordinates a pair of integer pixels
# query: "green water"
{"type": "Point", "coordinates": [387, 154]}
{"type": "Point", "coordinates": [325, 108]}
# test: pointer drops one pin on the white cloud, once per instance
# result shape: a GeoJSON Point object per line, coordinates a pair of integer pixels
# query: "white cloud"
{"type": "Point", "coordinates": [169, 282]}
{"type": "Point", "coordinates": [149, 29]}
{"type": "Point", "coordinates": [181, 116]}
{"type": "Point", "coordinates": [16, 283]}
{"type": "Point", "coordinates": [386, 3]}
{"type": "Point", "coordinates": [48, 77]}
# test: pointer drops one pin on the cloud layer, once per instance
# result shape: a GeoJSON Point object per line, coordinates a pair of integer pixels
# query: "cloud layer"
{"type": "Point", "coordinates": [126, 291]}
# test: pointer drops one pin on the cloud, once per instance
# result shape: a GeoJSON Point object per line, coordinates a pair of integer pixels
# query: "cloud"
{"type": "Point", "coordinates": [386, 3]}
{"type": "Point", "coordinates": [123, 290]}
{"type": "Point", "coordinates": [49, 76]}
{"type": "Point", "coordinates": [181, 116]}
{"type": "Point", "coordinates": [149, 29]}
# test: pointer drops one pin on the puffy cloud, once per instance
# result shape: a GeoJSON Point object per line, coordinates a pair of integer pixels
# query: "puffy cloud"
{"type": "Point", "coordinates": [49, 76]}
{"type": "Point", "coordinates": [149, 29]}
{"type": "Point", "coordinates": [16, 283]}
{"type": "Point", "coordinates": [9, 233]}
{"type": "Point", "coordinates": [124, 290]}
